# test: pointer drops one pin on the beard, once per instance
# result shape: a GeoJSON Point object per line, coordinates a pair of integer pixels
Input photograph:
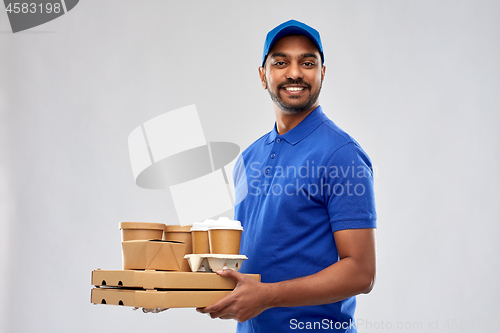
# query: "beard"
{"type": "Point", "coordinates": [293, 108]}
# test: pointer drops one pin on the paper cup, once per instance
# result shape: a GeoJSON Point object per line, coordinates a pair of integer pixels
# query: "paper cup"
{"type": "Point", "coordinates": [224, 241]}
{"type": "Point", "coordinates": [199, 234]}
{"type": "Point", "coordinates": [141, 230]}
{"type": "Point", "coordinates": [201, 244]}
{"type": "Point", "coordinates": [180, 234]}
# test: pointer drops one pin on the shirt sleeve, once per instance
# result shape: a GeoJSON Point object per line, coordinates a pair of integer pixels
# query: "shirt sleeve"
{"type": "Point", "coordinates": [349, 190]}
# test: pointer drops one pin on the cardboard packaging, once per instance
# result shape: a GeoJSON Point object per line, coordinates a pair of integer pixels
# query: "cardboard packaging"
{"type": "Point", "coordinates": [214, 262]}
{"type": "Point", "coordinates": [153, 299]}
{"type": "Point", "coordinates": [153, 255]}
{"type": "Point", "coordinates": [180, 233]}
{"type": "Point", "coordinates": [198, 262]}
{"type": "Point", "coordinates": [163, 280]}
{"type": "Point", "coordinates": [141, 230]}
{"type": "Point", "coordinates": [162, 289]}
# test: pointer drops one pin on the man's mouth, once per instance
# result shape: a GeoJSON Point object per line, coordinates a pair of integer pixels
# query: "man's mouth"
{"type": "Point", "coordinates": [294, 88]}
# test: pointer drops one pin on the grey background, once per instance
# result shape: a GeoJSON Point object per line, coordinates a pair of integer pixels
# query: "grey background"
{"type": "Point", "coordinates": [415, 82]}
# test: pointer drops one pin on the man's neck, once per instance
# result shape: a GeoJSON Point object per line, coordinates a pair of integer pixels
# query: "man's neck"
{"type": "Point", "coordinates": [285, 121]}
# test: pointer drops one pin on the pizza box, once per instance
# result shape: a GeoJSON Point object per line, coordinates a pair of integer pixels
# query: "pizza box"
{"type": "Point", "coordinates": [153, 299]}
{"type": "Point", "coordinates": [163, 279]}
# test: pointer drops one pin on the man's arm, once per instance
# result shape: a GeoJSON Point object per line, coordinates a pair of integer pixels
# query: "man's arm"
{"type": "Point", "coordinates": [353, 274]}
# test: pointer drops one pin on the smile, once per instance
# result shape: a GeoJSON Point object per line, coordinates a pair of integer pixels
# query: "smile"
{"type": "Point", "coordinates": [294, 88]}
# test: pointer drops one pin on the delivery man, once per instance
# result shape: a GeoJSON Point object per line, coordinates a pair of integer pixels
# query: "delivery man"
{"type": "Point", "coordinates": [308, 210]}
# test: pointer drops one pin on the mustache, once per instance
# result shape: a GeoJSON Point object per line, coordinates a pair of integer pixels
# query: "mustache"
{"type": "Point", "coordinates": [290, 81]}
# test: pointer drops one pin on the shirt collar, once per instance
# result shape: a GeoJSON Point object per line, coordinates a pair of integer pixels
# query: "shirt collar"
{"type": "Point", "coordinates": [302, 130]}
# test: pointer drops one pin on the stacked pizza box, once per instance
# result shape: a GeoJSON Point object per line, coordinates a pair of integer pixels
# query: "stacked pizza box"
{"type": "Point", "coordinates": [163, 268]}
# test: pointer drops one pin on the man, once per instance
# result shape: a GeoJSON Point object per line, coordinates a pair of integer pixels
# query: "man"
{"type": "Point", "coordinates": [309, 215]}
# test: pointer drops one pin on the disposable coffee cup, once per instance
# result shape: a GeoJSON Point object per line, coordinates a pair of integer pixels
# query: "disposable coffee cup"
{"type": "Point", "coordinates": [225, 236]}
{"type": "Point", "coordinates": [199, 235]}
{"type": "Point", "coordinates": [180, 234]}
{"type": "Point", "coordinates": [141, 230]}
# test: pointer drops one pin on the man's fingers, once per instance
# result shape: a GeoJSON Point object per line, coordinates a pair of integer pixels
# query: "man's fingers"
{"type": "Point", "coordinates": [224, 308]}
{"type": "Point", "coordinates": [228, 316]}
{"type": "Point", "coordinates": [236, 276]}
{"type": "Point", "coordinates": [215, 312]}
{"type": "Point", "coordinates": [225, 313]}
{"type": "Point", "coordinates": [157, 310]}
{"type": "Point", "coordinates": [217, 306]}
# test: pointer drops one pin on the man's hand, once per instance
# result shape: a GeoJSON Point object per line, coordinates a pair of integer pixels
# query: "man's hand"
{"type": "Point", "coordinates": [248, 299]}
{"type": "Point", "coordinates": [157, 310]}
{"type": "Point", "coordinates": [353, 274]}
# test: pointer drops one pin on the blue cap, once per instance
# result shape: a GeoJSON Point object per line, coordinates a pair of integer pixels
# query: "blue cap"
{"type": "Point", "coordinates": [292, 27]}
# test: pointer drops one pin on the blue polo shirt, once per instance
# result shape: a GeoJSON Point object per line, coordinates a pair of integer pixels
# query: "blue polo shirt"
{"type": "Point", "coordinates": [293, 191]}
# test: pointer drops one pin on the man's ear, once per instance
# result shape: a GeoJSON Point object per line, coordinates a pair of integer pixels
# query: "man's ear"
{"type": "Point", "coordinates": [262, 75]}
{"type": "Point", "coordinates": [323, 70]}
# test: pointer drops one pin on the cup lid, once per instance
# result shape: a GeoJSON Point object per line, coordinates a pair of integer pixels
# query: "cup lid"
{"type": "Point", "coordinates": [202, 226]}
{"type": "Point", "coordinates": [226, 223]}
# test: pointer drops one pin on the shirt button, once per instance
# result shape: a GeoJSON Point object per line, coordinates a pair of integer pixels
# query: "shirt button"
{"type": "Point", "coordinates": [278, 140]}
{"type": "Point", "coordinates": [267, 171]}
{"type": "Point", "coordinates": [273, 155]}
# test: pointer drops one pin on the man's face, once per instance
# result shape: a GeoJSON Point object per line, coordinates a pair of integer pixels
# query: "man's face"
{"type": "Point", "coordinates": [293, 74]}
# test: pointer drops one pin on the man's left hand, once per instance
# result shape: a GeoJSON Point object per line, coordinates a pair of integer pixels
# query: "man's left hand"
{"type": "Point", "coordinates": [248, 299]}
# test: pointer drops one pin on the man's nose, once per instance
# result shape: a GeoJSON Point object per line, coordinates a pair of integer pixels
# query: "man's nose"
{"type": "Point", "coordinates": [294, 71]}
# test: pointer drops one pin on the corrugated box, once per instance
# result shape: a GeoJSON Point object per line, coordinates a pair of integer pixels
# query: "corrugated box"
{"type": "Point", "coordinates": [160, 289]}
{"type": "Point", "coordinates": [163, 280]}
{"type": "Point", "coordinates": [153, 254]}
{"type": "Point", "coordinates": [152, 299]}
{"type": "Point", "coordinates": [180, 233]}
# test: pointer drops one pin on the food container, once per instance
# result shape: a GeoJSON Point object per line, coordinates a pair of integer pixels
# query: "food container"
{"type": "Point", "coordinates": [153, 255]}
{"type": "Point", "coordinates": [141, 230]}
{"type": "Point", "coordinates": [180, 233]}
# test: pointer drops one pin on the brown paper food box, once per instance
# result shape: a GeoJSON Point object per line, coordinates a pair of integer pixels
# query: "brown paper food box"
{"type": "Point", "coordinates": [177, 282]}
{"type": "Point", "coordinates": [141, 230]}
{"type": "Point", "coordinates": [163, 279]}
{"type": "Point", "coordinates": [152, 299]}
{"type": "Point", "coordinates": [153, 255]}
{"type": "Point", "coordinates": [180, 234]}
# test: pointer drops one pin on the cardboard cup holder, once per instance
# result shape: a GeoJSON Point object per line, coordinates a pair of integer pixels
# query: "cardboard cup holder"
{"type": "Point", "coordinates": [213, 262]}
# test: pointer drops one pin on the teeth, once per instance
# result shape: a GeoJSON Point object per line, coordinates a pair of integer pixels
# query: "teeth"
{"type": "Point", "coordinates": [294, 88]}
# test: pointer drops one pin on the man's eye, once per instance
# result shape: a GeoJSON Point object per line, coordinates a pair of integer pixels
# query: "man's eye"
{"type": "Point", "coordinates": [279, 63]}
{"type": "Point", "coordinates": [308, 64]}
